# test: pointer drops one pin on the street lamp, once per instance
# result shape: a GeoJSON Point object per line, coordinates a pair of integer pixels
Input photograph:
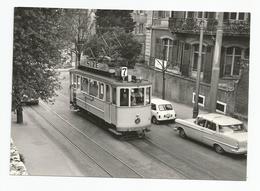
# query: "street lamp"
{"type": "Point", "coordinates": [195, 105]}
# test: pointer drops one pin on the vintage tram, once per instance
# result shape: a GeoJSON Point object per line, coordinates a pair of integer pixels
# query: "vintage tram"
{"type": "Point", "coordinates": [121, 101]}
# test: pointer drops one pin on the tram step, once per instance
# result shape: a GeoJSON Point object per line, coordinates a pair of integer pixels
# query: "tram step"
{"type": "Point", "coordinates": [114, 131]}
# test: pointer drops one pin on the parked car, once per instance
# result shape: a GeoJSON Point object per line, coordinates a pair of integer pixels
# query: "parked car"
{"type": "Point", "coordinates": [26, 100]}
{"type": "Point", "coordinates": [223, 133]}
{"type": "Point", "coordinates": [162, 110]}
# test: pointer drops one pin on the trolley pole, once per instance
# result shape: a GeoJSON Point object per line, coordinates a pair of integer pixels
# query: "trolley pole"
{"type": "Point", "coordinates": [216, 64]}
{"type": "Point", "coordinates": [195, 105]}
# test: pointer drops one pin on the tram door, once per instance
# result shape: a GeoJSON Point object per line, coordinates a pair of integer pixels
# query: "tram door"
{"type": "Point", "coordinates": [108, 104]}
{"type": "Point", "coordinates": [113, 106]}
{"type": "Point", "coordinates": [72, 84]}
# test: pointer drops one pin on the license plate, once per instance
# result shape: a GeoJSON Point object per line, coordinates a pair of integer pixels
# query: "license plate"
{"type": "Point", "coordinates": [168, 115]}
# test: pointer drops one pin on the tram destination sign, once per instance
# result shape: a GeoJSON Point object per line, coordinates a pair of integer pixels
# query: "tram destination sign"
{"type": "Point", "coordinates": [86, 62]}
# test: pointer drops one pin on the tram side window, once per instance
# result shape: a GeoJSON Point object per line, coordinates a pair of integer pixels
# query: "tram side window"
{"type": "Point", "coordinates": [114, 96]}
{"type": "Point", "coordinates": [148, 95]}
{"type": "Point", "coordinates": [137, 96]}
{"type": "Point", "coordinates": [107, 93]}
{"type": "Point", "coordinates": [78, 82]}
{"type": "Point", "coordinates": [93, 88]}
{"type": "Point", "coordinates": [124, 97]}
{"type": "Point", "coordinates": [101, 90]}
{"type": "Point", "coordinates": [84, 85]}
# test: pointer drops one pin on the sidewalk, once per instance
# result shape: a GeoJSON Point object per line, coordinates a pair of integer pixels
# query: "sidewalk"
{"type": "Point", "coordinates": [37, 143]}
{"type": "Point", "coordinates": [183, 111]}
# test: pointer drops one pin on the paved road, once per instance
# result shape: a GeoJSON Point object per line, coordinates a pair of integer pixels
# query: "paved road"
{"type": "Point", "coordinates": [162, 155]}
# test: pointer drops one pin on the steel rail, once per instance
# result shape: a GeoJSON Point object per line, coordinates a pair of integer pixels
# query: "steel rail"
{"type": "Point", "coordinates": [181, 159]}
{"type": "Point", "coordinates": [169, 153]}
{"type": "Point", "coordinates": [74, 145]}
{"type": "Point", "coordinates": [89, 138]}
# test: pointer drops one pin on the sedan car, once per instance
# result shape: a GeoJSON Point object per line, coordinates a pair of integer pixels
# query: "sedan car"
{"type": "Point", "coordinates": [162, 110]}
{"type": "Point", "coordinates": [223, 133]}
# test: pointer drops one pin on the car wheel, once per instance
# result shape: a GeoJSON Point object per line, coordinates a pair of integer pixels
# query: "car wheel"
{"type": "Point", "coordinates": [154, 120]}
{"type": "Point", "coordinates": [219, 149]}
{"type": "Point", "coordinates": [182, 133]}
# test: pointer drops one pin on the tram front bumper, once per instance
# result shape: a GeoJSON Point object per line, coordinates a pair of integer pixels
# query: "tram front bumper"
{"type": "Point", "coordinates": [124, 129]}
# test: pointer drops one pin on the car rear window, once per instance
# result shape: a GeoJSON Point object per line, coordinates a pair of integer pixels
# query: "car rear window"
{"type": "Point", "coordinates": [232, 128]}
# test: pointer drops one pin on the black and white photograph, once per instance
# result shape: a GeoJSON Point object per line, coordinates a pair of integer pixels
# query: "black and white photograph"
{"type": "Point", "coordinates": [105, 93]}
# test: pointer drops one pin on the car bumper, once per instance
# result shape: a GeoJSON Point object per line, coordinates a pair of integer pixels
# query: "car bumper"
{"type": "Point", "coordinates": [166, 119]}
{"type": "Point", "coordinates": [238, 151]}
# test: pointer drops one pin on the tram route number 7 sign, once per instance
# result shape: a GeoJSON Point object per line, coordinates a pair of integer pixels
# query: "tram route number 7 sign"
{"type": "Point", "coordinates": [123, 72]}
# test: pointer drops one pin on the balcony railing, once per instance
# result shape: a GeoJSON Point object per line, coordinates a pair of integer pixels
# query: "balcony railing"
{"type": "Point", "coordinates": [161, 22]}
{"type": "Point", "coordinates": [236, 27]}
{"type": "Point", "coordinates": [192, 25]}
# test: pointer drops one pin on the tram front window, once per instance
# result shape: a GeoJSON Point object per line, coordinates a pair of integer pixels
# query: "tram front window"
{"type": "Point", "coordinates": [124, 95]}
{"type": "Point", "coordinates": [137, 96]}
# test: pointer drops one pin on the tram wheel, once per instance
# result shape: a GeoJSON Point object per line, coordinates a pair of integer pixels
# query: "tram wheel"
{"type": "Point", "coordinates": [154, 120]}
{"type": "Point", "coordinates": [141, 134]}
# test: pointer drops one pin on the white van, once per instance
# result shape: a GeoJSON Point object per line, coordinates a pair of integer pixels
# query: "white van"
{"type": "Point", "coordinates": [162, 110]}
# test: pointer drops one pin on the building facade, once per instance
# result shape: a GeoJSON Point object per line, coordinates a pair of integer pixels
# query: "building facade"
{"type": "Point", "coordinates": [140, 19]}
{"type": "Point", "coordinates": [173, 37]}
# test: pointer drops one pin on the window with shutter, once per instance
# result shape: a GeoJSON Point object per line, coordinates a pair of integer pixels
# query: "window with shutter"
{"type": "Point", "coordinates": [186, 60]}
{"type": "Point", "coordinates": [155, 14]}
{"type": "Point", "coordinates": [157, 48]}
{"type": "Point", "coordinates": [196, 57]}
{"type": "Point", "coordinates": [232, 61]}
{"type": "Point", "coordinates": [208, 65]}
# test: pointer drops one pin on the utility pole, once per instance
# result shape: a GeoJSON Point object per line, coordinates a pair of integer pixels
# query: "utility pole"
{"type": "Point", "coordinates": [164, 66]}
{"type": "Point", "coordinates": [195, 105]}
{"type": "Point", "coordinates": [216, 64]}
{"type": "Point", "coordinates": [163, 73]}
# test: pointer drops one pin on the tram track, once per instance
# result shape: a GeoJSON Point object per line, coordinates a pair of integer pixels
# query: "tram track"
{"type": "Point", "coordinates": [128, 171]}
{"type": "Point", "coordinates": [189, 165]}
{"type": "Point", "coordinates": [193, 167]}
{"type": "Point", "coordinates": [186, 167]}
{"type": "Point", "coordinates": [161, 161]}
{"type": "Point", "coordinates": [182, 166]}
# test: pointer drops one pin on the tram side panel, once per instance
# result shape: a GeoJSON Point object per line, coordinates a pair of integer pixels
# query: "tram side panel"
{"type": "Point", "coordinates": [91, 104]}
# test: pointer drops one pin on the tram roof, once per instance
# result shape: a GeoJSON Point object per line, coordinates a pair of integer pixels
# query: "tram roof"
{"type": "Point", "coordinates": [109, 80]}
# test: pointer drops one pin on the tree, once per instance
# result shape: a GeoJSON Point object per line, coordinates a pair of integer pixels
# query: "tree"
{"type": "Point", "coordinates": [106, 20]}
{"type": "Point", "coordinates": [120, 46]}
{"type": "Point", "coordinates": [79, 26]}
{"type": "Point", "coordinates": [38, 39]}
